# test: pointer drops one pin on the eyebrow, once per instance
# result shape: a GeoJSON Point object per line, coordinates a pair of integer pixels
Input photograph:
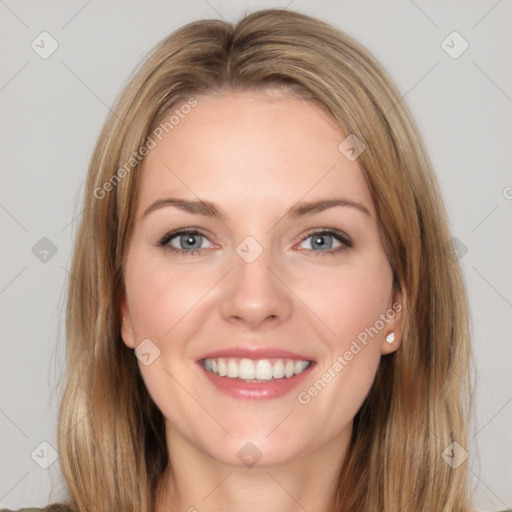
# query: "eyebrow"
{"type": "Point", "coordinates": [209, 209]}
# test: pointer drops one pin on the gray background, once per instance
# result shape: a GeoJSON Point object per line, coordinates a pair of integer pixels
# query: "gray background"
{"type": "Point", "coordinates": [52, 110]}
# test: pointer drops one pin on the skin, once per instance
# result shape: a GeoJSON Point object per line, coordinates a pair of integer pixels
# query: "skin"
{"type": "Point", "coordinates": [255, 155]}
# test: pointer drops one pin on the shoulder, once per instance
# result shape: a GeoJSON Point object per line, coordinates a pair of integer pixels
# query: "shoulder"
{"type": "Point", "coordinates": [22, 510]}
{"type": "Point", "coordinates": [54, 507]}
{"type": "Point", "coordinates": [31, 509]}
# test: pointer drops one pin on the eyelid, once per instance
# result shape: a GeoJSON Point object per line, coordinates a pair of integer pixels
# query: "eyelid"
{"type": "Point", "coordinates": [337, 233]}
{"type": "Point", "coordinates": [164, 240]}
{"type": "Point", "coordinates": [344, 239]}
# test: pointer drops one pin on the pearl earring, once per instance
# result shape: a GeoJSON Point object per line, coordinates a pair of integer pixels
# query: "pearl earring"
{"type": "Point", "coordinates": [390, 337]}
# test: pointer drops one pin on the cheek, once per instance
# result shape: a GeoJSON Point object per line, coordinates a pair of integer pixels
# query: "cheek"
{"type": "Point", "coordinates": [348, 299]}
{"type": "Point", "coordinates": [160, 296]}
{"type": "Point", "coordinates": [350, 302]}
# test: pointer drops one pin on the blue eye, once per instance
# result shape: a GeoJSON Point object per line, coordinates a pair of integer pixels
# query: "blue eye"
{"type": "Point", "coordinates": [323, 240]}
{"type": "Point", "coordinates": [188, 242]}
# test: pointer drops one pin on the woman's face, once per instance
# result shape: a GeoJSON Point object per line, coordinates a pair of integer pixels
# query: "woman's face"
{"type": "Point", "coordinates": [237, 264]}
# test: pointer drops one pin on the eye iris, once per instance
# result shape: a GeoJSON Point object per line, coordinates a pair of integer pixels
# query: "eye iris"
{"type": "Point", "coordinates": [320, 239]}
{"type": "Point", "coordinates": [190, 241]}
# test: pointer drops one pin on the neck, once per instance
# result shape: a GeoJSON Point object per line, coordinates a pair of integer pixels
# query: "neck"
{"type": "Point", "coordinates": [196, 482]}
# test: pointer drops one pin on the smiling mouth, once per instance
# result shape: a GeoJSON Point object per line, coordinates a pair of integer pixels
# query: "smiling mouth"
{"type": "Point", "coordinates": [255, 370]}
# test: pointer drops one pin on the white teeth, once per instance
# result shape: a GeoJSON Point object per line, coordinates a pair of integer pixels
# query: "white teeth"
{"type": "Point", "coordinates": [278, 370]}
{"type": "Point", "coordinates": [232, 369]}
{"type": "Point", "coordinates": [299, 367]}
{"type": "Point", "coordinates": [289, 369]}
{"type": "Point", "coordinates": [261, 369]}
{"type": "Point", "coordinates": [223, 369]}
{"type": "Point", "coordinates": [246, 369]}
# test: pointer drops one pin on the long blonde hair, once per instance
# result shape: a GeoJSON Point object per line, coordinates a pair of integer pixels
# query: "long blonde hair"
{"type": "Point", "coordinates": [111, 435]}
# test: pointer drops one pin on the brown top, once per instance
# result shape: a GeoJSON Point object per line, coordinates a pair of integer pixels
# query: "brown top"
{"type": "Point", "coordinates": [42, 509]}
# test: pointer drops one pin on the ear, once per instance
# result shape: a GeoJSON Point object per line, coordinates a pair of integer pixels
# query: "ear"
{"type": "Point", "coordinates": [395, 324]}
{"type": "Point", "coordinates": [126, 324]}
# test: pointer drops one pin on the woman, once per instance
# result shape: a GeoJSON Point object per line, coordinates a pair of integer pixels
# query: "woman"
{"type": "Point", "coordinates": [264, 311]}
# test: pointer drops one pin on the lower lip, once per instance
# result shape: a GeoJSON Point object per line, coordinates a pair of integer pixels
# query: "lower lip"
{"type": "Point", "coordinates": [267, 390]}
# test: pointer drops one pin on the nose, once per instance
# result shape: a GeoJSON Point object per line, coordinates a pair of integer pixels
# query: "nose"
{"type": "Point", "coordinates": [256, 293]}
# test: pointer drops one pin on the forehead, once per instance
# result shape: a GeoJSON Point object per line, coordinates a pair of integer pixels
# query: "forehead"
{"type": "Point", "coordinates": [255, 148]}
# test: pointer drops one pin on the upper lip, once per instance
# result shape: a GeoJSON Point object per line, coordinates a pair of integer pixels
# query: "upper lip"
{"type": "Point", "coordinates": [255, 353]}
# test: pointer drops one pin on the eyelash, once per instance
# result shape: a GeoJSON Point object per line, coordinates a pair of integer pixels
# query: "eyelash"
{"type": "Point", "coordinates": [339, 235]}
